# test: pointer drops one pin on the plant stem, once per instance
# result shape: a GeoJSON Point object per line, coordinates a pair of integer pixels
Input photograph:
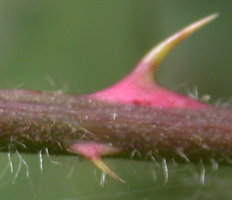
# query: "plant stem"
{"type": "Point", "coordinates": [31, 121]}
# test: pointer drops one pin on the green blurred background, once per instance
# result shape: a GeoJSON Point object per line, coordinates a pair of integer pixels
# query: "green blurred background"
{"type": "Point", "coordinates": [81, 46]}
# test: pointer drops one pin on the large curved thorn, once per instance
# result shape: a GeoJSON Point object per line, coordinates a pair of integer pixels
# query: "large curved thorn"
{"type": "Point", "coordinates": [140, 87]}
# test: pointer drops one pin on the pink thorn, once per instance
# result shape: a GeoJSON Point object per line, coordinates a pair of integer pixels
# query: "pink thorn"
{"type": "Point", "coordinates": [140, 88]}
{"type": "Point", "coordinates": [93, 150]}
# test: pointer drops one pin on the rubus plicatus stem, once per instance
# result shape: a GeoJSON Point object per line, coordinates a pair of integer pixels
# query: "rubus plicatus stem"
{"type": "Point", "coordinates": [134, 114]}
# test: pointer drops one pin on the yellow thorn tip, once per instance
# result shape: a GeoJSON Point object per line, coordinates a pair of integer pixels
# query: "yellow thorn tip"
{"type": "Point", "coordinates": [102, 166]}
{"type": "Point", "coordinates": [157, 54]}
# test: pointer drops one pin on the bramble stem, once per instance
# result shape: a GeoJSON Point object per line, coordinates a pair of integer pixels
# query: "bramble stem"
{"type": "Point", "coordinates": [31, 121]}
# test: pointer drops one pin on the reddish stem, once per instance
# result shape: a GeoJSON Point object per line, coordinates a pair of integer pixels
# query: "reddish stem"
{"type": "Point", "coordinates": [55, 121]}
